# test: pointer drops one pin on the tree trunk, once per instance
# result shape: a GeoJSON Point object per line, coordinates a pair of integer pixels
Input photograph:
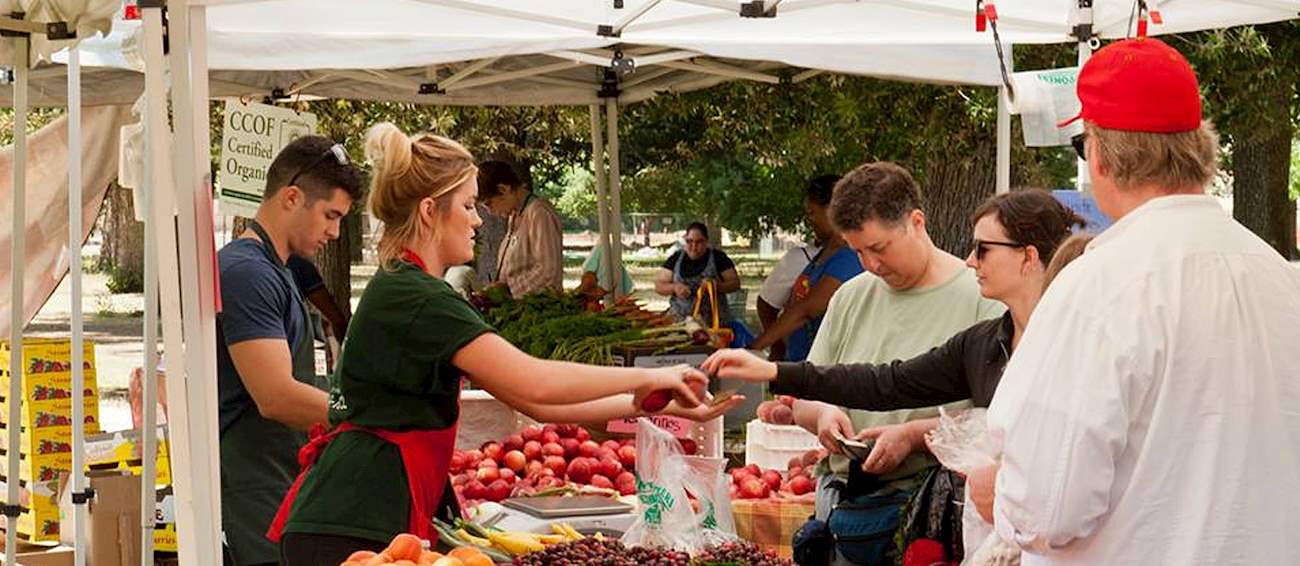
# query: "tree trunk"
{"type": "Point", "coordinates": [951, 191]}
{"type": "Point", "coordinates": [1261, 165]}
{"type": "Point", "coordinates": [335, 261]}
{"type": "Point", "coordinates": [122, 255]}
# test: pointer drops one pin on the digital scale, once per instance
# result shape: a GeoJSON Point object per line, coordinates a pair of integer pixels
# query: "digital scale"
{"type": "Point", "coordinates": [587, 514]}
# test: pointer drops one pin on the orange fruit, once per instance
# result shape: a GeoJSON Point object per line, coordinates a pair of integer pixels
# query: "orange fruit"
{"type": "Point", "coordinates": [361, 556]}
{"type": "Point", "coordinates": [405, 547]}
{"type": "Point", "coordinates": [471, 556]}
{"type": "Point", "coordinates": [428, 557]}
{"type": "Point", "coordinates": [448, 561]}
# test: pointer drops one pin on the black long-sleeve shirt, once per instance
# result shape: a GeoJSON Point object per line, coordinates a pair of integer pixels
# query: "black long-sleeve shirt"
{"type": "Point", "coordinates": [968, 366]}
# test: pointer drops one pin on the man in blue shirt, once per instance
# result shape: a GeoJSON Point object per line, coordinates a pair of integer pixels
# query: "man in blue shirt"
{"type": "Point", "coordinates": [268, 390]}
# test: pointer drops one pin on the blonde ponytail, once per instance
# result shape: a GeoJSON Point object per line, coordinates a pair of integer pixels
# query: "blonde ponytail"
{"type": "Point", "coordinates": [406, 171]}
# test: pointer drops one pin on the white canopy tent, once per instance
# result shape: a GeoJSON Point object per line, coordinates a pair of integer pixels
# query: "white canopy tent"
{"type": "Point", "coordinates": [508, 52]}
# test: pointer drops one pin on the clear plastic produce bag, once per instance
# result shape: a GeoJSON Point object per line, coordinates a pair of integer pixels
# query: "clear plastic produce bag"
{"type": "Point", "coordinates": [961, 442]}
{"type": "Point", "coordinates": [709, 483]}
{"type": "Point", "coordinates": [666, 519]}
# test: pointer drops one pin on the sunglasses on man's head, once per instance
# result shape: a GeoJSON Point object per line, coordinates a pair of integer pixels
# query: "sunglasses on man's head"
{"type": "Point", "coordinates": [336, 151]}
{"type": "Point", "coordinates": [1080, 143]}
{"type": "Point", "coordinates": [982, 247]}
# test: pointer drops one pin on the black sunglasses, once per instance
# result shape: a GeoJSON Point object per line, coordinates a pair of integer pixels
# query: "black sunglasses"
{"type": "Point", "coordinates": [1080, 142]}
{"type": "Point", "coordinates": [340, 156]}
{"type": "Point", "coordinates": [981, 247]}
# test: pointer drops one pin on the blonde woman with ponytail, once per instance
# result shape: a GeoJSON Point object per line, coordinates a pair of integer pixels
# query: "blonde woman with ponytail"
{"type": "Point", "coordinates": [395, 399]}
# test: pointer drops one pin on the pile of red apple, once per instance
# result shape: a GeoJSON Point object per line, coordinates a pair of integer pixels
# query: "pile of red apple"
{"type": "Point", "coordinates": [541, 457]}
{"type": "Point", "coordinates": [752, 482]}
{"type": "Point", "coordinates": [779, 411]}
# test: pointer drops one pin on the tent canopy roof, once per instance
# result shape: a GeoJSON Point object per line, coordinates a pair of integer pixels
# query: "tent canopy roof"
{"type": "Point", "coordinates": [522, 52]}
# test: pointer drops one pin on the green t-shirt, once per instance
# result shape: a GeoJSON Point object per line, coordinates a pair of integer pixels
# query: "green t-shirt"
{"type": "Point", "coordinates": [595, 263]}
{"type": "Point", "coordinates": [867, 321]}
{"type": "Point", "coordinates": [395, 373]}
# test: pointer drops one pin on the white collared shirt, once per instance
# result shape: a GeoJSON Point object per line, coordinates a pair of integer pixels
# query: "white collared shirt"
{"type": "Point", "coordinates": [1151, 413]}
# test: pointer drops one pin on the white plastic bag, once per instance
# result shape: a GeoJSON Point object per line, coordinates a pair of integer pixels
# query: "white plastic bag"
{"type": "Point", "coordinates": [666, 519]}
{"type": "Point", "coordinates": [709, 483]}
{"type": "Point", "coordinates": [961, 442]}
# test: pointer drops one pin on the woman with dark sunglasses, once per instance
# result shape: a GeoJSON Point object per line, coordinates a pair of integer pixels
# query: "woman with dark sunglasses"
{"type": "Point", "coordinates": [1015, 236]}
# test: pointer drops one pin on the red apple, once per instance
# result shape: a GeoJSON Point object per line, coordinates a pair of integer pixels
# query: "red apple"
{"type": "Point", "coordinates": [515, 460]}
{"type": "Point", "coordinates": [627, 455]}
{"type": "Point", "coordinates": [472, 458]}
{"type": "Point", "coordinates": [800, 485]}
{"type": "Point", "coordinates": [570, 447]}
{"type": "Point", "coordinates": [487, 463]}
{"type": "Point", "coordinates": [458, 479]}
{"type": "Point", "coordinates": [582, 434]}
{"type": "Point", "coordinates": [773, 479]}
{"type": "Point", "coordinates": [550, 428]}
{"type": "Point", "coordinates": [508, 475]}
{"type": "Point", "coordinates": [493, 451]}
{"type": "Point", "coordinates": [782, 415]}
{"type": "Point", "coordinates": [754, 488]}
{"type": "Point", "coordinates": [498, 491]}
{"type": "Point", "coordinates": [754, 470]}
{"type": "Point", "coordinates": [533, 450]}
{"type": "Point", "coordinates": [796, 462]}
{"type": "Point", "coordinates": [552, 449]}
{"type": "Point", "coordinates": [488, 475]}
{"type": "Point", "coordinates": [611, 444]}
{"type": "Point", "coordinates": [588, 449]}
{"type": "Point", "coordinates": [556, 464]}
{"type": "Point", "coordinates": [795, 471]}
{"type": "Point", "coordinates": [550, 482]}
{"type": "Point", "coordinates": [567, 430]}
{"type": "Point", "coordinates": [457, 461]}
{"type": "Point", "coordinates": [626, 477]}
{"type": "Point", "coordinates": [688, 446]}
{"type": "Point", "coordinates": [626, 488]}
{"type": "Point", "coordinates": [514, 442]}
{"type": "Point", "coordinates": [546, 473]}
{"type": "Point", "coordinates": [611, 467]}
{"type": "Point", "coordinates": [475, 490]}
{"type": "Point", "coordinates": [532, 467]}
{"type": "Point", "coordinates": [460, 491]}
{"type": "Point", "coordinates": [811, 457]}
{"type": "Point", "coordinates": [579, 471]}
{"type": "Point", "coordinates": [531, 432]}
{"type": "Point", "coordinates": [550, 436]}
{"type": "Point", "coordinates": [599, 480]}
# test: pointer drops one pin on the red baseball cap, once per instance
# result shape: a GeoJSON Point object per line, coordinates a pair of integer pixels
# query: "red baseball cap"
{"type": "Point", "coordinates": [1139, 85]}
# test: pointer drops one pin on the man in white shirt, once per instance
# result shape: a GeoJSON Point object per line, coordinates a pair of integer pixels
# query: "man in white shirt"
{"type": "Point", "coordinates": [1151, 414]}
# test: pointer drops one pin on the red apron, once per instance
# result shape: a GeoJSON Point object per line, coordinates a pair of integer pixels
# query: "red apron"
{"type": "Point", "coordinates": [426, 455]}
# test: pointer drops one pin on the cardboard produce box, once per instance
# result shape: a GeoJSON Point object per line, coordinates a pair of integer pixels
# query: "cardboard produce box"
{"type": "Point", "coordinates": [40, 555]}
{"type": "Point", "coordinates": [112, 536]}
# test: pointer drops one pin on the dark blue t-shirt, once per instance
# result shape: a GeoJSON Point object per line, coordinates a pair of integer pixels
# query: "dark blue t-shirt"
{"type": "Point", "coordinates": [256, 302]}
{"type": "Point", "coordinates": [843, 266]}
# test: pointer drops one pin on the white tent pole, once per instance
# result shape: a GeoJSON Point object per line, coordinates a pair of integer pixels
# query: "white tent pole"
{"type": "Point", "coordinates": [79, 516]}
{"type": "Point", "coordinates": [469, 69]}
{"type": "Point", "coordinates": [1004, 131]}
{"type": "Point", "coordinates": [637, 12]}
{"type": "Point", "coordinates": [196, 276]}
{"type": "Point", "coordinates": [148, 438]}
{"type": "Point", "coordinates": [18, 248]}
{"type": "Point", "coordinates": [602, 205]}
{"type": "Point", "coordinates": [163, 203]}
{"type": "Point", "coordinates": [204, 232]}
{"type": "Point", "coordinates": [1085, 181]}
{"type": "Point", "coordinates": [615, 188]}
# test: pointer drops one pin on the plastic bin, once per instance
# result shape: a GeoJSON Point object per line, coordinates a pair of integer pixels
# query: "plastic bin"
{"type": "Point", "coordinates": [772, 446]}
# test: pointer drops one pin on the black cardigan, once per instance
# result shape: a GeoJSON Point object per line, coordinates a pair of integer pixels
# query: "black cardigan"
{"type": "Point", "coordinates": [968, 366]}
